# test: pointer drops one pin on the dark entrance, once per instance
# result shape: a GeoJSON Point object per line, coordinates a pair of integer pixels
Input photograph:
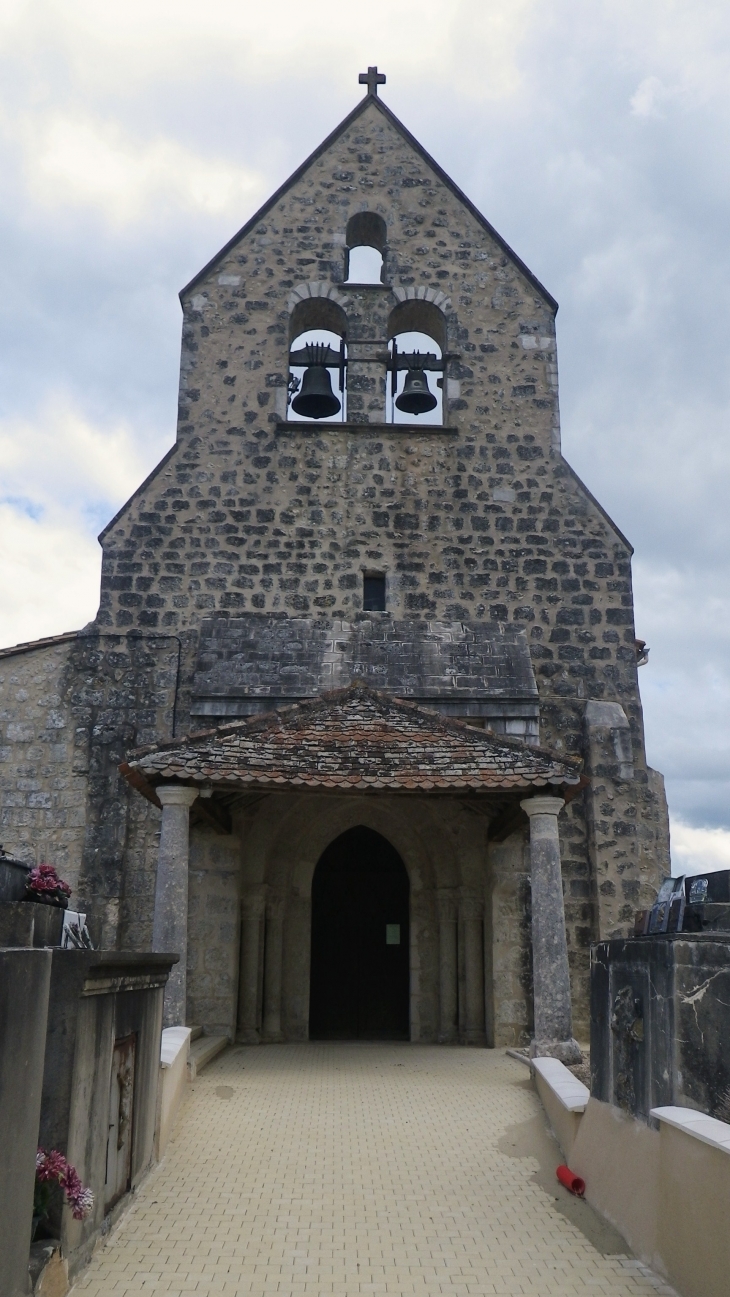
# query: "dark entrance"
{"type": "Point", "coordinates": [359, 979]}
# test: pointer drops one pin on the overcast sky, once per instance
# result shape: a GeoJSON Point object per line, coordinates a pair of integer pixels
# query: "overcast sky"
{"type": "Point", "coordinates": [136, 138]}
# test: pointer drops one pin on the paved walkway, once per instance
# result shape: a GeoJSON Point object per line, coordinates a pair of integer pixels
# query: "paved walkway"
{"type": "Point", "coordinates": [325, 1168]}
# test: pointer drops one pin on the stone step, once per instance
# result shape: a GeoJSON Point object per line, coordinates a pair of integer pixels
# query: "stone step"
{"type": "Point", "coordinates": [195, 1033]}
{"type": "Point", "coordinates": [202, 1051]}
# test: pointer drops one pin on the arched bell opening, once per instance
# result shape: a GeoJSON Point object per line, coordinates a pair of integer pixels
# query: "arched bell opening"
{"type": "Point", "coordinates": [416, 345]}
{"type": "Point", "coordinates": [317, 362]}
{"type": "Point", "coordinates": [365, 252]}
{"type": "Point", "coordinates": [359, 981]}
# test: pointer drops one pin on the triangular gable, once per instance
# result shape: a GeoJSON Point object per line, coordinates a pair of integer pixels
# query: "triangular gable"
{"type": "Point", "coordinates": [373, 101]}
{"type": "Point", "coordinates": [354, 738]}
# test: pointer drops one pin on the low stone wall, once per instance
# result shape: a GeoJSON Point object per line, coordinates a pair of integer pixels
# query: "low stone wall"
{"type": "Point", "coordinates": [665, 1190]}
{"type": "Point", "coordinates": [174, 1055]}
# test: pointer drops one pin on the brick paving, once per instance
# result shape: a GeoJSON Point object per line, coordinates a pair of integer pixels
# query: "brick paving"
{"type": "Point", "coordinates": [334, 1168]}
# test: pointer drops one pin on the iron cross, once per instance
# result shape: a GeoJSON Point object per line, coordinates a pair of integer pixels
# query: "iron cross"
{"type": "Point", "coordinates": [372, 79]}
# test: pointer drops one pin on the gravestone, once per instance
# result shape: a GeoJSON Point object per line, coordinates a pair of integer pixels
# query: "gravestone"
{"type": "Point", "coordinates": [660, 1023]}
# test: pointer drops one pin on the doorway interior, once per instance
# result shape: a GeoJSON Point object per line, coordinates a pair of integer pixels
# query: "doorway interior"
{"type": "Point", "coordinates": [360, 986]}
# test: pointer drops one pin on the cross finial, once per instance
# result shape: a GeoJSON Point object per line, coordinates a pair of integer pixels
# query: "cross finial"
{"type": "Point", "coordinates": [372, 79]}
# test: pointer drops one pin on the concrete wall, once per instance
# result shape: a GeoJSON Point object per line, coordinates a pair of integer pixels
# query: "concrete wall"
{"type": "Point", "coordinates": [665, 1190]}
{"type": "Point", "coordinates": [694, 1190]}
{"type": "Point", "coordinates": [173, 1083]}
{"type": "Point", "coordinates": [619, 1159]}
{"type": "Point", "coordinates": [97, 997]}
{"type": "Point", "coordinates": [24, 984]}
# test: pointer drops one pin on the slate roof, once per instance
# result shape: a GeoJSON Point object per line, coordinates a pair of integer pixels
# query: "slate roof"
{"type": "Point", "coordinates": [355, 738]}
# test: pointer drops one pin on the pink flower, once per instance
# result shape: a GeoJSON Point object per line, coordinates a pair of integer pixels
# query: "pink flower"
{"type": "Point", "coordinates": [82, 1204]}
{"type": "Point", "coordinates": [45, 879]}
{"type": "Point", "coordinates": [53, 1166]}
{"type": "Point", "coordinates": [50, 1166]}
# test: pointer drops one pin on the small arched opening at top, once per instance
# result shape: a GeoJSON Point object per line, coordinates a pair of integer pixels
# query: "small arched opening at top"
{"type": "Point", "coordinates": [317, 388]}
{"type": "Point", "coordinates": [365, 238]}
{"type": "Point", "coordinates": [416, 345]}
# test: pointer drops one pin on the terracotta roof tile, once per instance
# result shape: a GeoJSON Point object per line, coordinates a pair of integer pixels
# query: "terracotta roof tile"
{"type": "Point", "coordinates": [354, 737]}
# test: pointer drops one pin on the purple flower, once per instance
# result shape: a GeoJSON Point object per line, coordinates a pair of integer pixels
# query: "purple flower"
{"type": "Point", "coordinates": [45, 879]}
{"type": "Point", "coordinates": [53, 1166]}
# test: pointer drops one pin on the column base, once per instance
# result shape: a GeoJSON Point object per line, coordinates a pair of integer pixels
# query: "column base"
{"type": "Point", "coordinates": [247, 1038]}
{"type": "Point", "coordinates": [567, 1051]}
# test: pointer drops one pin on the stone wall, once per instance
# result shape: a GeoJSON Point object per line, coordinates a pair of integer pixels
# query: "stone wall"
{"type": "Point", "coordinates": [508, 945]}
{"type": "Point", "coordinates": [42, 791]}
{"type": "Point", "coordinates": [486, 521]}
{"type": "Point", "coordinates": [70, 712]}
{"type": "Point", "coordinates": [214, 920]}
{"type": "Point", "coordinates": [480, 520]}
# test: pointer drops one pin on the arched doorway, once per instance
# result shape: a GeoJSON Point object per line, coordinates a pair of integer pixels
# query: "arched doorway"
{"type": "Point", "coordinates": [359, 988]}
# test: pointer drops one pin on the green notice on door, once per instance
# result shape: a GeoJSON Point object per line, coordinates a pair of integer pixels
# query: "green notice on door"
{"type": "Point", "coordinates": [392, 934]}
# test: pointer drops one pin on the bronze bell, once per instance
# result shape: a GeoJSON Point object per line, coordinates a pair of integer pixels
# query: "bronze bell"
{"type": "Point", "coordinates": [316, 400]}
{"type": "Point", "coordinates": [416, 397]}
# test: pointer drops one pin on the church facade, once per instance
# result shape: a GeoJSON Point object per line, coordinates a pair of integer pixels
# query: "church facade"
{"type": "Point", "coordinates": [356, 630]}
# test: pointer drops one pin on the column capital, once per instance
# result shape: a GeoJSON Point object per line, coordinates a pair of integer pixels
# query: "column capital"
{"type": "Point", "coordinates": [176, 794]}
{"type": "Point", "coordinates": [252, 903]}
{"type": "Point", "coordinates": [471, 903]}
{"type": "Point", "coordinates": [274, 902]}
{"type": "Point", "coordinates": [546, 805]}
{"type": "Point", "coordinates": [447, 901]}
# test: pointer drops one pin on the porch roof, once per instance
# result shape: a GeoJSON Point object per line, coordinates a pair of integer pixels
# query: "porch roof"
{"type": "Point", "coordinates": [353, 739]}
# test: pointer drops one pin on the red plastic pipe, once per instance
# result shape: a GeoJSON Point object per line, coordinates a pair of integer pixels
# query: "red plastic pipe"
{"type": "Point", "coordinates": [571, 1181]}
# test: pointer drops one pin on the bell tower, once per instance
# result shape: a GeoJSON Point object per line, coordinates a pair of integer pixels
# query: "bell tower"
{"type": "Point", "coordinates": [368, 446]}
{"type": "Point", "coordinates": [367, 483]}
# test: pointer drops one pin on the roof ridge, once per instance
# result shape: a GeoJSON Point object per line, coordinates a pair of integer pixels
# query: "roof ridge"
{"type": "Point", "coordinates": [269, 720]}
{"type": "Point", "coordinates": [26, 646]}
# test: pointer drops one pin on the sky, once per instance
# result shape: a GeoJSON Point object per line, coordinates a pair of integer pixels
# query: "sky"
{"type": "Point", "coordinates": [135, 139]}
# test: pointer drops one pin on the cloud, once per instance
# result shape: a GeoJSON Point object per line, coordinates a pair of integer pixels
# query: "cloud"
{"type": "Point", "coordinates": [62, 479]}
{"type": "Point", "coordinates": [135, 140]}
{"type": "Point", "coordinates": [61, 461]}
{"type": "Point", "coordinates": [85, 162]}
{"type": "Point", "coordinates": [648, 97]}
{"type": "Point", "coordinates": [48, 577]}
{"type": "Point", "coordinates": [698, 851]}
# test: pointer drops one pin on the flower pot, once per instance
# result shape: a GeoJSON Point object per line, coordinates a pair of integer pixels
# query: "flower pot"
{"type": "Point", "coordinates": [13, 879]}
{"type": "Point", "coordinates": [36, 1222]}
{"type": "Point", "coordinates": [47, 898]}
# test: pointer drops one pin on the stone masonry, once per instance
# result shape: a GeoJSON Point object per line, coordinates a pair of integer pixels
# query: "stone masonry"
{"type": "Point", "coordinates": [478, 521]}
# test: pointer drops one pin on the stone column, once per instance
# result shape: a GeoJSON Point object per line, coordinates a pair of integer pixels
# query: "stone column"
{"type": "Point", "coordinates": [252, 908]}
{"type": "Point", "coordinates": [272, 967]}
{"type": "Point", "coordinates": [448, 970]}
{"type": "Point", "coordinates": [170, 927]}
{"type": "Point", "coordinates": [365, 377]}
{"type": "Point", "coordinates": [550, 972]}
{"type": "Point", "coordinates": [472, 927]}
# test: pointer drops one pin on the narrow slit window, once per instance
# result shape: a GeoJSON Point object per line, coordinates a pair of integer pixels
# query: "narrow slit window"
{"type": "Point", "coordinates": [373, 592]}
